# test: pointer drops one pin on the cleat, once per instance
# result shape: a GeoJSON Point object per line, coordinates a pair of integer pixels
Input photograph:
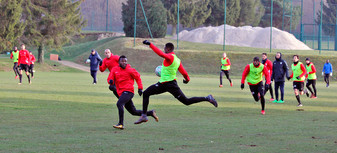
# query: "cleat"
{"type": "Point", "coordinates": [142, 119]}
{"type": "Point", "coordinates": [119, 126]}
{"type": "Point", "coordinates": [16, 77]}
{"type": "Point", "coordinates": [275, 101]}
{"type": "Point", "coordinates": [212, 100]}
{"type": "Point", "coordinates": [231, 84]}
{"type": "Point", "coordinates": [313, 97]}
{"type": "Point", "coordinates": [220, 85]}
{"type": "Point", "coordinates": [299, 105]}
{"type": "Point", "coordinates": [272, 99]}
{"type": "Point", "coordinates": [263, 112]}
{"type": "Point", "coordinates": [33, 77]}
{"type": "Point", "coordinates": [19, 83]}
{"type": "Point", "coordinates": [154, 115]}
{"type": "Point", "coordinates": [280, 102]}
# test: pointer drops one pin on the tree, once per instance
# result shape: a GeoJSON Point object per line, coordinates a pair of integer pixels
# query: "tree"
{"type": "Point", "coordinates": [251, 12]}
{"type": "Point", "coordinates": [51, 23]}
{"type": "Point", "coordinates": [217, 16]}
{"type": "Point", "coordinates": [329, 17]}
{"type": "Point", "coordinates": [192, 13]}
{"type": "Point", "coordinates": [155, 14]}
{"type": "Point", "coordinates": [11, 28]}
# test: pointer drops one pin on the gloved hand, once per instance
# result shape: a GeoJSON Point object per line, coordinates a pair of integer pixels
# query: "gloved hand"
{"type": "Point", "coordinates": [331, 74]}
{"type": "Point", "coordinates": [242, 86]}
{"type": "Point", "coordinates": [298, 78]}
{"type": "Point", "coordinates": [185, 81]}
{"type": "Point", "coordinates": [140, 92]}
{"type": "Point", "coordinates": [111, 81]}
{"type": "Point", "coordinates": [288, 78]}
{"type": "Point", "coordinates": [100, 63]}
{"type": "Point", "coordinates": [267, 86]}
{"type": "Point", "coordinates": [146, 42]}
{"type": "Point", "coordinates": [322, 73]}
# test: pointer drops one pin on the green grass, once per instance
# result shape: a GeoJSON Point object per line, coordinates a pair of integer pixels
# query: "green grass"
{"type": "Point", "coordinates": [64, 112]}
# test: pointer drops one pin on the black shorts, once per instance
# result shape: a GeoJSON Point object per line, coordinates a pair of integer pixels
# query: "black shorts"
{"type": "Point", "coordinates": [255, 89]}
{"type": "Point", "coordinates": [311, 82]}
{"type": "Point", "coordinates": [298, 85]}
{"type": "Point", "coordinates": [24, 67]}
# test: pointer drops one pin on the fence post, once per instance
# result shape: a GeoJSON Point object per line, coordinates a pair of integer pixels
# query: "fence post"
{"type": "Point", "coordinates": [135, 25]}
{"type": "Point", "coordinates": [320, 30]}
{"type": "Point", "coordinates": [271, 25]}
{"type": "Point", "coordinates": [224, 28]}
{"type": "Point", "coordinates": [107, 16]}
{"type": "Point", "coordinates": [336, 29]}
{"type": "Point", "coordinates": [301, 33]}
{"type": "Point", "coordinates": [178, 25]}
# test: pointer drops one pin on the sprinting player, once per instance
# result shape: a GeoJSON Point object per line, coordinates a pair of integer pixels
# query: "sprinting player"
{"type": "Point", "coordinates": [298, 76]}
{"type": "Point", "coordinates": [167, 82]}
{"type": "Point", "coordinates": [95, 59]}
{"type": "Point", "coordinates": [23, 61]}
{"type": "Point", "coordinates": [15, 56]}
{"type": "Point", "coordinates": [124, 76]}
{"type": "Point", "coordinates": [327, 72]}
{"type": "Point", "coordinates": [254, 73]}
{"type": "Point", "coordinates": [269, 65]}
{"type": "Point", "coordinates": [225, 67]}
{"type": "Point", "coordinates": [280, 71]}
{"type": "Point", "coordinates": [311, 78]}
{"type": "Point", "coordinates": [110, 61]}
{"type": "Point", "coordinates": [31, 64]}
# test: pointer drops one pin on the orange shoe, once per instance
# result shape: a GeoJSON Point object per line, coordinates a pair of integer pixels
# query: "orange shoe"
{"type": "Point", "coordinates": [271, 99]}
{"type": "Point", "coordinates": [220, 85]}
{"type": "Point", "coordinates": [263, 112]}
{"type": "Point", "coordinates": [16, 77]}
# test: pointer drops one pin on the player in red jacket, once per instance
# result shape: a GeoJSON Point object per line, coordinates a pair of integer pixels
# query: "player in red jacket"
{"type": "Point", "coordinates": [124, 76]}
{"type": "Point", "coordinates": [31, 64]}
{"type": "Point", "coordinates": [269, 65]}
{"type": "Point", "coordinates": [23, 61]}
{"type": "Point", "coordinates": [110, 61]}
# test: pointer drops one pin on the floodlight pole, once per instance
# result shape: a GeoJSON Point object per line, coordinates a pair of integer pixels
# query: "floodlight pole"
{"type": "Point", "coordinates": [320, 30]}
{"type": "Point", "coordinates": [271, 25]}
{"type": "Point", "coordinates": [107, 15]}
{"type": "Point", "coordinates": [147, 23]}
{"type": "Point", "coordinates": [301, 33]}
{"type": "Point", "coordinates": [336, 29]}
{"type": "Point", "coordinates": [135, 25]}
{"type": "Point", "coordinates": [224, 27]}
{"type": "Point", "coordinates": [178, 25]}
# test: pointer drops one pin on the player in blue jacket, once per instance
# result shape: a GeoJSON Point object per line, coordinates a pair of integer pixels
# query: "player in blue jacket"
{"type": "Point", "coordinates": [327, 72]}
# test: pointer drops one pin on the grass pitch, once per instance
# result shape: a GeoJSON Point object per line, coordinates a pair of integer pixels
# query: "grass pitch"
{"type": "Point", "coordinates": [64, 112]}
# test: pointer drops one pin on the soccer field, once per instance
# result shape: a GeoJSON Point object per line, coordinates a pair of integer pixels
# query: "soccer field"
{"type": "Point", "coordinates": [64, 112]}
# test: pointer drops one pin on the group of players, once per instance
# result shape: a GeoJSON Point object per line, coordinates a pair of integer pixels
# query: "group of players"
{"type": "Point", "coordinates": [23, 60]}
{"type": "Point", "coordinates": [277, 71]}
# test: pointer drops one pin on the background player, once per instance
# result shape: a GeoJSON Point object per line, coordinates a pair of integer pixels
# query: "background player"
{"type": "Point", "coordinates": [298, 76]}
{"type": "Point", "coordinates": [254, 73]}
{"type": "Point", "coordinates": [23, 61]}
{"type": "Point", "coordinates": [167, 82]}
{"type": "Point", "coordinates": [95, 59]}
{"type": "Point", "coordinates": [280, 70]}
{"type": "Point", "coordinates": [123, 76]}
{"type": "Point", "coordinates": [311, 78]}
{"type": "Point", "coordinates": [327, 72]}
{"type": "Point", "coordinates": [15, 56]}
{"type": "Point", "coordinates": [31, 64]}
{"type": "Point", "coordinates": [269, 65]}
{"type": "Point", "coordinates": [225, 67]}
{"type": "Point", "coordinates": [110, 61]}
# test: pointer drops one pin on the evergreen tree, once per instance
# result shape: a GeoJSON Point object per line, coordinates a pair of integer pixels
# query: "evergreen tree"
{"type": "Point", "coordinates": [10, 26]}
{"type": "Point", "coordinates": [217, 16]}
{"type": "Point", "coordinates": [251, 13]}
{"type": "Point", "coordinates": [51, 23]}
{"type": "Point", "coordinates": [155, 14]}
{"type": "Point", "coordinates": [329, 17]}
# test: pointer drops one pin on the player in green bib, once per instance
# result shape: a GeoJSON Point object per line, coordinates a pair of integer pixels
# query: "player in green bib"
{"type": "Point", "coordinates": [298, 76]}
{"type": "Point", "coordinates": [15, 57]}
{"type": "Point", "coordinates": [225, 67]}
{"type": "Point", "coordinates": [254, 73]}
{"type": "Point", "coordinates": [168, 83]}
{"type": "Point", "coordinates": [311, 78]}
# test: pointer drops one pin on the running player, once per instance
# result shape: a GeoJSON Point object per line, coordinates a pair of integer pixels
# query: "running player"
{"type": "Point", "coordinates": [15, 56]}
{"type": "Point", "coordinates": [124, 76]}
{"type": "Point", "coordinates": [311, 78]}
{"type": "Point", "coordinates": [225, 67]}
{"type": "Point", "coordinates": [327, 72]}
{"type": "Point", "coordinates": [269, 65]}
{"type": "Point", "coordinates": [110, 61]}
{"type": "Point", "coordinates": [298, 76]}
{"type": "Point", "coordinates": [254, 73]}
{"type": "Point", "coordinates": [167, 82]}
{"type": "Point", "coordinates": [31, 64]}
{"type": "Point", "coordinates": [23, 61]}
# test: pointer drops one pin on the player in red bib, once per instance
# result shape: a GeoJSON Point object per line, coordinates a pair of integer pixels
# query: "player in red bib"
{"type": "Point", "coordinates": [31, 64]}
{"type": "Point", "coordinates": [254, 73]}
{"type": "Point", "coordinates": [124, 76]}
{"type": "Point", "coordinates": [23, 61]}
{"type": "Point", "coordinates": [269, 65]}
{"type": "Point", "coordinates": [110, 61]}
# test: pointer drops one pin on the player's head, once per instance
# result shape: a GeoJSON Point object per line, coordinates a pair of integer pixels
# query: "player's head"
{"type": "Point", "coordinates": [107, 53]}
{"type": "Point", "coordinates": [224, 55]}
{"type": "Point", "coordinates": [307, 60]}
{"type": "Point", "coordinates": [23, 46]}
{"type": "Point", "coordinates": [264, 56]}
{"type": "Point", "coordinates": [93, 51]}
{"type": "Point", "coordinates": [123, 61]}
{"type": "Point", "coordinates": [296, 58]}
{"type": "Point", "coordinates": [15, 48]}
{"type": "Point", "coordinates": [256, 61]}
{"type": "Point", "coordinates": [327, 61]}
{"type": "Point", "coordinates": [169, 47]}
{"type": "Point", "coordinates": [278, 55]}
{"type": "Point", "coordinates": [30, 52]}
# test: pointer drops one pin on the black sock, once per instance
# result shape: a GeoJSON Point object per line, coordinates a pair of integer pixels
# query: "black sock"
{"type": "Point", "coordinates": [20, 76]}
{"type": "Point", "coordinates": [298, 99]}
{"type": "Point", "coordinates": [28, 78]}
{"type": "Point", "coordinates": [262, 103]}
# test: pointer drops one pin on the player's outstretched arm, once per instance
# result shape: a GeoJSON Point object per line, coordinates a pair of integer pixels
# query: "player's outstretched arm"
{"type": "Point", "coordinates": [245, 73]}
{"type": "Point", "coordinates": [183, 72]}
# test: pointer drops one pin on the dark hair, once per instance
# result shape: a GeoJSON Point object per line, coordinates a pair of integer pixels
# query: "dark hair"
{"type": "Point", "coordinates": [296, 56]}
{"type": "Point", "coordinates": [170, 46]}
{"type": "Point", "coordinates": [120, 57]}
{"type": "Point", "coordinates": [264, 54]}
{"type": "Point", "coordinates": [256, 59]}
{"type": "Point", "coordinates": [307, 59]}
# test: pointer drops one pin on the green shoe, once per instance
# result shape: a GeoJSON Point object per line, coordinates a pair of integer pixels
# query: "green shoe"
{"type": "Point", "coordinates": [275, 101]}
{"type": "Point", "coordinates": [280, 101]}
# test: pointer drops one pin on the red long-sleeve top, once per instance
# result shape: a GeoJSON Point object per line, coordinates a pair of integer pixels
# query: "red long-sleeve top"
{"type": "Point", "coordinates": [109, 63]}
{"type": "Point", "coordinates": [269, 65]}
{"type": "Point", "coordinates": [124, 79]}
{"type": "Point", "coordinates": [168, 60]}
{"type": "Point", "coordinates": [24, 57]}
{"type": "Point", "coordinates": [32, 59]}
{"type": "Point", "coordinates": [304, 72]}
{"type": "Point", "coordinates": [246, 72]}
{"type": "Point", "coordinates": [228, 62]}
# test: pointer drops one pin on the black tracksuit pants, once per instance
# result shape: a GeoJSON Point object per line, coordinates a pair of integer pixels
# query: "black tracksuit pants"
{"type": "Point", "coordinates": [313, 83]}
{"type": "Point", "coordinates": [279, 85]}
{"type": "Point", "coordinates": [16, 68]}
{"type": "Point", "coordinates": [226, 72]}
{"type": "Point", "coordinates": [93, 75]}
{"type": "Point", "coordinates": [258, 93]}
